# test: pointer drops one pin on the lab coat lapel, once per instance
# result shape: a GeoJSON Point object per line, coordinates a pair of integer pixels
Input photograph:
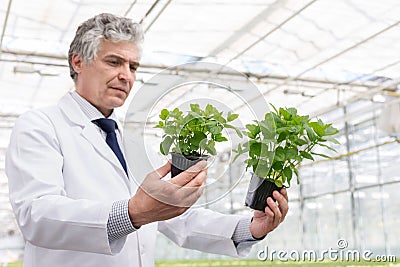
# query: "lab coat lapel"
{"type": "Point", "coordinates": [72, 110]}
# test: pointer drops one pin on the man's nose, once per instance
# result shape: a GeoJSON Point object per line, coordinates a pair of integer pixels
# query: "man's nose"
{"type": "Point", "coordinates": [125, 73]}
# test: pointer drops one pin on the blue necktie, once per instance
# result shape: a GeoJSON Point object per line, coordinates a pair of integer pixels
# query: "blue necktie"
{"type": "Point", "coordinates": [109, 125]}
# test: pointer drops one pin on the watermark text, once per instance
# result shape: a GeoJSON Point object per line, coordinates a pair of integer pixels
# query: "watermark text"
{"type": "Point", "coordinates": [341, 253]}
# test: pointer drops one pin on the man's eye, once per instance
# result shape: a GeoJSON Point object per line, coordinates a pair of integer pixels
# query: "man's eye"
{"type": "Point", "coordinates": [133, 68]}
{"type": "Point", "coordinates": [113, 62]}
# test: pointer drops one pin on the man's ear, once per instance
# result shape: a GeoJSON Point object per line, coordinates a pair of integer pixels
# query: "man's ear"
{"type": "Point", "coordinates": [77, 63]}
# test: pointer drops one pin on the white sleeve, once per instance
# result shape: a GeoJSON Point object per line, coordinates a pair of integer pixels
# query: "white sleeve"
{"type": "Point", "coordinates": [206, 231]}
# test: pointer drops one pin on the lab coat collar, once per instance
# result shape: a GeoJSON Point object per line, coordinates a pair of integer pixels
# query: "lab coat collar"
{"type": "Point", "coordinates": [76, 116]}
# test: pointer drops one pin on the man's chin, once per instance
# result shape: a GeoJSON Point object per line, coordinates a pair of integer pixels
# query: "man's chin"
{"type": "Point", "coordinates": [117, 102]}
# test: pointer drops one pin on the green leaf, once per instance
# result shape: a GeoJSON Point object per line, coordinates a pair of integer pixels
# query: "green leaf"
{"type": "Point", "coordinates": [160, 125]}
{"type": "Point", "coordinates": [251, 162]}
{"type": "Point", "coordinates": [292, 111]}
{"type": "Point", "coordinates": [264, 151]}
{"type": "Point", "coordinates": [282, 177]}
{"type": "Point", "coordinates": [277, 165]}
{"type": "Point", "coordinates": [195, 108]}
{"type": "Point", "coordinates": [267, 128]}
{"type": "Point", "coordinates": [318, 129]}
{"type": "Point", "coordinates": [216, 129]}
{"type": "Point", "coordinates": [295, 129]}
{"type": "Point", "coordinates": [182, 147]}
{"type": "Point", "coordinates": [276, 119]}
{"type": "Point", "coordinates": [246, 147]}
{"type": "Point", "coordinates": [238, 132]}
{"type": "Point", "coordinates": [208, 146]}
{"type": "Point", "coordinates": [195, 124]}
{"type": "Point", "coordinates": [279, 154]}
{"type": "Point", "coordinates": [219, 138]}
{"type": "Point", "coordinates": [306, 155]}
{"type": "Point", "coordinates": [211, 123]}
{"type": "Point", "coordinates": [192, 149]}
{"type": "Point", "coordinates": [288, 173]}
{"type": "Point", "coordinates": [211, 150]}
{"type": "Point", "coordinates": [254, 129]}
{"type": "Point", "coordinates": [276, 111]}
{"type": "Point", "coordinates": [170, 130]}
{"type": "Point", "coordinates": [310, 133]}
{"type": "Point", "coordinates": [218, 117]}
{"type": "Point", "coordinates": [286, 115]}
{"type": "Point", "coordinates": [188, 118]}
{"type": "Point", "coordinates": [232, 117]}
{"type": "Point", "coordinates": [262, 169]}
{"type": "Point", "coordinates": [300, 142]}
{"type": "Point", "coordinates": [176, 113]}
{"type": "Point", "coordinates": [291, 152]}
{"type": "Point", "coordinates": [278, 183]}
{"type": "Point", "coordinates": [255, 149]}
{"type": "Point", "coordinates": [281, 129]}
{"type": "Point", "coordinates": [165, 145]}
{"type": "Point", "coordinates": [294, 169]}
{"type": "Point", "coordinates": [197, 138]}
{"type": "Point", "coordinates": [330, 130]}
{"type": "Point", "coordinates": [249, 134]}
{"type": "Point", "coordinates": [210, 110]}
{"type": "Point", "coordinates": [164, 114]}
{"type": "Point", "coordinates": [333, 140]}
{"type": "Point", "coordinates": [321, 155]}
{"type": "Point", "coordinates": [282, 136]}
{"type": "Point", "coordinates": [328, 147]}
{"type": "Point", "coordinates": [184, 133]}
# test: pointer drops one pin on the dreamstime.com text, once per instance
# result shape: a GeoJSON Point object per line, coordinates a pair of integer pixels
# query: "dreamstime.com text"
{"type": "Point", "coordinates": [341, 253]}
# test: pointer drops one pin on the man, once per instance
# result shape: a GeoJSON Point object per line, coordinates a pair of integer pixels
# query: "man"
{"type": "Point", "coordinates": [71, 190]}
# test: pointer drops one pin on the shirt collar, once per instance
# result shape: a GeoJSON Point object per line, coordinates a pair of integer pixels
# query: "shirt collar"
{"type": "Point", "coordinates": [89, 110]}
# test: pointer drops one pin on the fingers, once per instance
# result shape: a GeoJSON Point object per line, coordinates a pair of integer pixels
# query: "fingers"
{"type": "Point", "coordinates": [193, 190]}
{"type": "Point", "coordinates": [199, 166]}
{"type": "Point", "coordinates": [162, 171]}
{"type": "Point", "coordinates": [277, 215]}
{"type": "Point", "coordinates": [282, 199]}
{"type": "Point", "coordinates": [149, 184]}
{"type": "Point", "coordinates": [143, 209]}
{"type": "Point", "coordinates": [182, 190]}
{"type": "Point", "coordinates": [198, 180]}
{"type": "Point", "coordinates": [188, 194]}
{"type": "Point", "coordinates": [258, 214]}
{"type": "Point", "coordinates": [276, 212]}
{"type": "Point", "coordinates": [284, 193]}
{"type": "Point", "coordinates": [185, 177]}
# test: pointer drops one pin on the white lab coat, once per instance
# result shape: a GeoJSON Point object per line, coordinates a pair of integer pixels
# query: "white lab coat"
{"type": "Point", "coordinates": [63, 179]}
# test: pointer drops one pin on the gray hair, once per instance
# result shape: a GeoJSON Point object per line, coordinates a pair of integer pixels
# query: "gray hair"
{"type": "Point", "coordinates": [89, 34]}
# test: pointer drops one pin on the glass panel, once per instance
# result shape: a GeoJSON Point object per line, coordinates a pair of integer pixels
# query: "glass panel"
{"type": "Point", "coordinates": [391, 218]}
{"type": "Point", "coordinates": [369, 220]}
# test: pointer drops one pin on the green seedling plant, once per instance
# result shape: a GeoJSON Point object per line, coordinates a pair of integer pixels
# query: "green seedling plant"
{"type": "Point", "coordinates": [196, 132]}
{"type": "Point", "coordinates": [278, 144]}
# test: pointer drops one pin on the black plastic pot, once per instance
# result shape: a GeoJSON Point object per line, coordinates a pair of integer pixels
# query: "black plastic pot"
{"type": "Point", "coordinates": [258, 192]}
{"type": "Point", "coordinates": [181, 162]}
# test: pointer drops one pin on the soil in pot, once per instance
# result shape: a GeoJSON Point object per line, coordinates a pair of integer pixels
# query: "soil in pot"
{"type": "Point", "coordinates": [181, 162]}
{"type": "Point", "coordinates": [258, 192]}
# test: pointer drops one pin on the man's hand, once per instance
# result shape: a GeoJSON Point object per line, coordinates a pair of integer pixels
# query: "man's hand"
{"type": "Point", "coordinates": [157, 200]}
{"type": "Point", "coordinates": [274, 214]}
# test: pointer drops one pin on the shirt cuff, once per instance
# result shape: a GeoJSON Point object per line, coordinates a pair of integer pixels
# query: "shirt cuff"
{"type": "Point", "coordinates": [242, 232]}
{"type": "Point", "coordinates": [119, 224]}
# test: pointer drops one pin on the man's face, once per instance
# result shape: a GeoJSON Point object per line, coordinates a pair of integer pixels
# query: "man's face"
{"type": "Point", "coordinates": [108, 79]}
